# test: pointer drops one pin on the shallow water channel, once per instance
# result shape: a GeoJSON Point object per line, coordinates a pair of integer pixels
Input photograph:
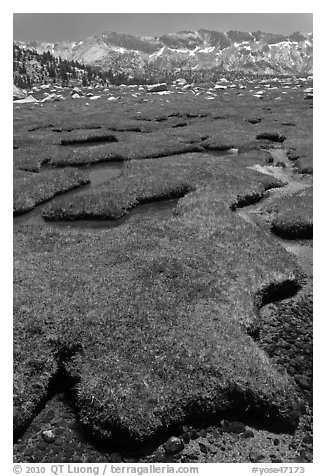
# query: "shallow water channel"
{"type": "Point", "coordinates": [103, 173]}
{"type": "Point", "coordinates": [98, 175]}
{"type": "Point", "coordinates": [302, 249]}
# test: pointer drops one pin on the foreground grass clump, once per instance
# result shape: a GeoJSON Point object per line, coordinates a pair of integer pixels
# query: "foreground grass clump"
{"type": "Point", "coordinates": [149, 320]}
{"type": "Point", "coordinates": [33, 189]}
{"type": "Point", "coordinates": [294, 216]}
{"type": "Point", "coordinates": [151, 180]}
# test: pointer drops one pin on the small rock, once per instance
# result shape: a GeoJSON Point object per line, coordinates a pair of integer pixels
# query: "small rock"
{"type": "Point", "coordinates": [173, 445]}
{"type": "Point", "coordinates": [42, 445]}
{"type": "Point", "coordinates": [192, 456]}
{"type": "Point", "coordinates": [115, 457]}
{"type": "Point", "coordinates": [160, 455]}
{"type": "Point", "coordinates": [276, 441]}
{"type": "Point", "coordinates": [203, 433]}
{"type": "Point", "coordinates": [48, 416]}
{"type": "Point", "coordinates": [308, 456]}
{"type": "Point", "coordinates": [183, 429]}
{"type": "Point", "coordinates": [154, 88]}
{"type": "Point", "coordinates": [193, 434]}
{"type": "Point", "coordinates": [202, 448]}
{"type": "Point", "coordinates": [307, 439]}
{"type": "Point", "coordinates": [216, 433]}
{"type": "Point", "coordinates": [276, 460]}
{"type": "Point", "coordinates": [186, 438]}
{"type": "Point", "coordinates": [248, 434]}
{"type": "Point", "coordinates": [255, 456]}
{"type": "Point", "coordinates": [48, 436]}
{"type": "Point", "coordinates": [29, 451]}
{"type": "Point", "coordinates": [303, 382]}
{"type": "Point", "coordinates": [233, 426]}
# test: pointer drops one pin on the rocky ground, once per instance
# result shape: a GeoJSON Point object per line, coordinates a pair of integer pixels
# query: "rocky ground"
{"type": "Point", "coordinates": [56, 437]}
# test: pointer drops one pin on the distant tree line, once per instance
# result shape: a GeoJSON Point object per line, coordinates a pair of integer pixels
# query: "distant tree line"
{"type": "Point", "coordinates": [31, 69]}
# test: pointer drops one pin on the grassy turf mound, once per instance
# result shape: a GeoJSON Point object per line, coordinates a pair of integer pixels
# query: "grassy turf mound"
{"type": "Point", "coordinates": [304, 165]}
{"type": "Point", "coordinates": [294, 216]}
{"type": "Point", "coordinates": [150, 320]}
{"type": "Point", "coordinates": [150, 180]}
{"type": "Point", "coordinates": [133, 146]}
{"type": "Point", "coordinates": [33, 189]}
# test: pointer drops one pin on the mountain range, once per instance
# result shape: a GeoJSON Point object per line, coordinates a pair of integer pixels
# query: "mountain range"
{"type": "Point", "coordinates": [247, 52]}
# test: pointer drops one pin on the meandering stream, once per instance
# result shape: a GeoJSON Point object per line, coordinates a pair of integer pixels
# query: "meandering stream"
{"type": "Point", "coordinates": [98, 175]}
{"type": "Point", "coordinates": [103, 173]}
{"type": "Point", "coordinates": [254, 215]}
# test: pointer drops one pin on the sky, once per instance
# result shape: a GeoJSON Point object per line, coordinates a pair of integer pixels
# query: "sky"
{"type": "Point", "coordinates": [76, 26]}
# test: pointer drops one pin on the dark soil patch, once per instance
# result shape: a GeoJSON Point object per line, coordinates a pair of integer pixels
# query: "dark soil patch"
{"type": "Point", "coordinates": [271, 136]}
{"type": "Point", "coordinates": [89, 139]}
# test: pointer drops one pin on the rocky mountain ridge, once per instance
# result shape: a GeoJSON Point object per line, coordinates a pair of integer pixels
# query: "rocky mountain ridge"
{"type": "Point", "coordinates": [247, 52]}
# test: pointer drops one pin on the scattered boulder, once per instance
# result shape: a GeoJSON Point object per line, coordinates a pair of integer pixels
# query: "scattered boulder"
{"type": "Point", "coordinates": [75, 96]}
{"type": "Point", "coordinates": [157, 88]}
{"type": "Point", "coordinates": [180, 81]}
{"type": "Point", "coordinates": [233, 426]}
{"type": "Point", "coordinates": [248, 434]}
{"type": "Point", "coordinates": [203, 448]}
{"type": "Point", "coordinates": [186, 438]}
{"type": "Point", "coordinates": [48, 436]}
{"type": "Point", "coordinates": [27, 99]}
{"type": "Point", "coordinates": [115, 457]}
{"type": "Point", "coordinates": [18, 93]}
{"type": "Point", "coordinates": [173, 445]}
{"type": "Point", "coordinates": [256, 457]}
{"type": "Point", "coordinates": [51, 98]}
{"type": "Point", "coordinates": [193, 434]}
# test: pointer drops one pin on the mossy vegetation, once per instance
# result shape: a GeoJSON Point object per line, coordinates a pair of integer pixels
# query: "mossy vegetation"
{"type": "Point", "coordinates": [131, 287]}
{"type": "Point", "coordinates": [31, 189]}
{"type": "Point", "coordinates": [151, 180]}
{"type": "Point", "coordinates": [294, 216]}
{"type": "Point", "coordinates": [151, 322]}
